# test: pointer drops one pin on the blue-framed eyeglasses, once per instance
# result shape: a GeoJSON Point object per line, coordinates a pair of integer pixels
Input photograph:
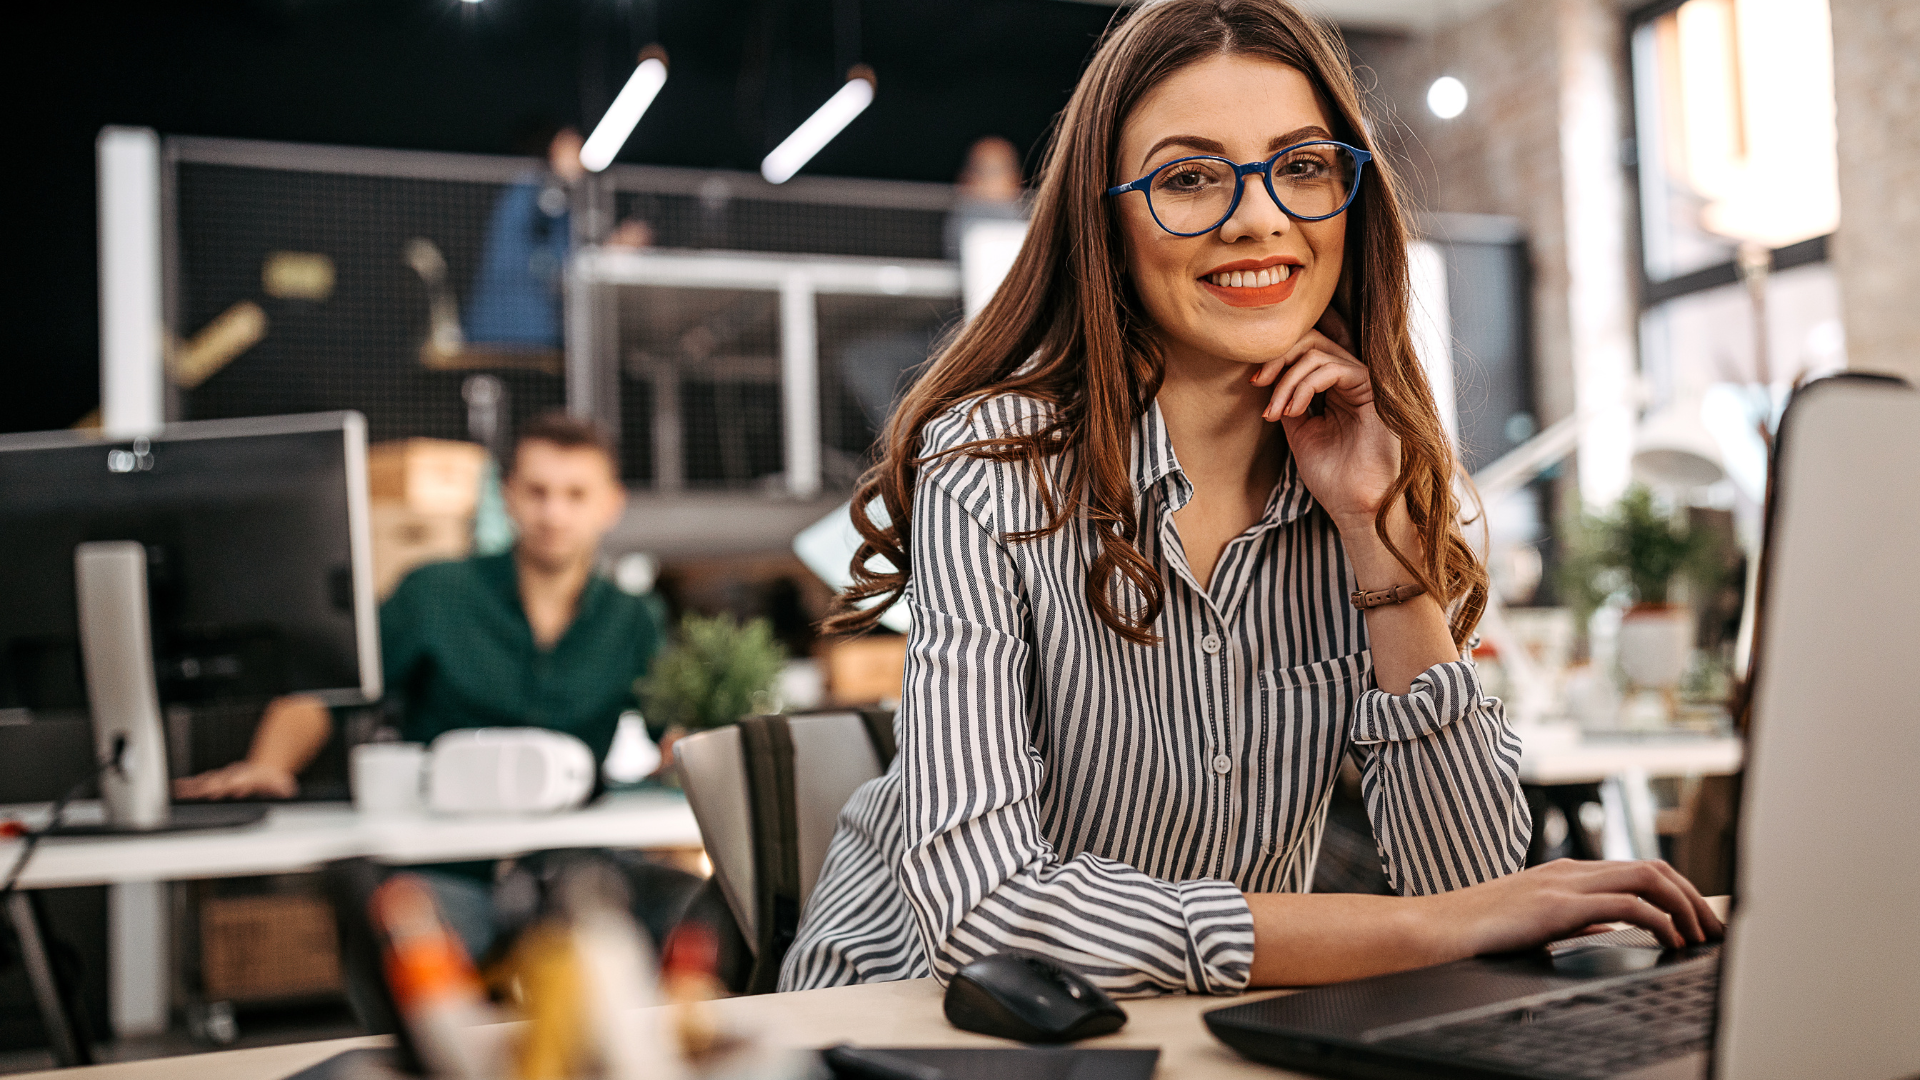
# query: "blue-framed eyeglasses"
{"type": "Point", "coordinates": [1311, 181]}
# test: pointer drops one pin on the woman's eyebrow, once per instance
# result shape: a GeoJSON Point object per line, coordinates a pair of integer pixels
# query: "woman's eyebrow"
{"type": "Point", "coordinates": [1195, 142]}
{"type": "Point", "coordinates": [1212, 146]}
{"type": "Point", "coordinates": [1298, 135]}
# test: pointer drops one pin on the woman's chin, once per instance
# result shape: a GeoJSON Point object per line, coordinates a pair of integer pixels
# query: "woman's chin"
{"type": "Point", "coordinates": [1253, 344]}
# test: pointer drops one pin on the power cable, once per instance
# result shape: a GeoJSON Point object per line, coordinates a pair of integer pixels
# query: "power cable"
{"type": "Point", "coordinates": [32, 837]}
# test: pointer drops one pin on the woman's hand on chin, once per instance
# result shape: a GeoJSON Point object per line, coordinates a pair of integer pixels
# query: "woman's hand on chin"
{"type": "Point", "coordinates": [1346, 456]}
{"type": "Point", "coordinates": [1565, 898]}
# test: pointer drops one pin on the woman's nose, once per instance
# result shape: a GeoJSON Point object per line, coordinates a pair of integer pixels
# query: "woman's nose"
{"type": "Point", "coordinates": [1257, 215]}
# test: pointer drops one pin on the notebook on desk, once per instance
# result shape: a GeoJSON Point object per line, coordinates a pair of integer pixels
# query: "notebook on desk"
{"type": "Point", "coordinates": [1820, 974]}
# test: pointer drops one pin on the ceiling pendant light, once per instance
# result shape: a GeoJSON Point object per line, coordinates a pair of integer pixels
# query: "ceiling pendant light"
{"type": "Point", "coordinates": [610, 134]}
{"type": "Point", "coordinates": [827, 121]}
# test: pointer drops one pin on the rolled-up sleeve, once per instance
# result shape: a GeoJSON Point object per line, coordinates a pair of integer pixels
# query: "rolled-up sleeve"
{"type": "Point", "coordinates": [1440, 771]}
{"type": "Point", "coordinates": [976, 869]}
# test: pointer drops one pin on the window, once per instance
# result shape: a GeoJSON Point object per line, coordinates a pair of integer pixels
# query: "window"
{"type": "Point", "coordinates": [1734, 110]}
{"type": "Point", "coordinates": [1734, 126]}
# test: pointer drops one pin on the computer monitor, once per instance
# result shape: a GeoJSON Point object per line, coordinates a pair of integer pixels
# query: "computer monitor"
{"type": "Point", "coordinates": [214, 560]}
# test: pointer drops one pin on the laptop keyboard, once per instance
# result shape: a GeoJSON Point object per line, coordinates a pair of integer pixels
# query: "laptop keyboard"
{"type": "Point", "coordinates": [1591, 1036]}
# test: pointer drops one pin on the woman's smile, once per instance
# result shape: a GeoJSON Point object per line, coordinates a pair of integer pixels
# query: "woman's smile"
{"type": "Point", "coordinates": [1253, 282]}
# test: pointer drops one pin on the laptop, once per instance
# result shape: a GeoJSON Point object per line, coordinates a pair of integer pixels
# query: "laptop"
{"type": "Point", "coordinates": [1820, 973]}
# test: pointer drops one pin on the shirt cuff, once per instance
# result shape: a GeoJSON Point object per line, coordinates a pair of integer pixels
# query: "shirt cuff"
{"type": "Point", "coordinates": [1442, 694]}
{"type": "Point", "coordinates": [1219, 936]}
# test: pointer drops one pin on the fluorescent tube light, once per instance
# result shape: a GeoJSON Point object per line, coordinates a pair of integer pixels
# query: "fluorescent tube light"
{"type": "Point", "coordinates": [807, 139]}
{"type": "Point", "coordinates": [610, 134]}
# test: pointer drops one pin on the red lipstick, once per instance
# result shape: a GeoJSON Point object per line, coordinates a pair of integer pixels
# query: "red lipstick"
{"type": "Point", "coordinates": [1263, 296]}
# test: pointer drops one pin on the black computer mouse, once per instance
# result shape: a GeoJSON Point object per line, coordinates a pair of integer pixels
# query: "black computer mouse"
{"type": "Point", "coordinates": [1017, 995]}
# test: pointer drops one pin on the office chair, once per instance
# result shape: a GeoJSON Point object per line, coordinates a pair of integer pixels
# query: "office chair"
{"type": "Point", "coordinates": [767, 794]}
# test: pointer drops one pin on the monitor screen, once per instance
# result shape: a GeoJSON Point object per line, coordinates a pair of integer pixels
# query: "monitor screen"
{"type": "Point", "coordinates": [249, 528]}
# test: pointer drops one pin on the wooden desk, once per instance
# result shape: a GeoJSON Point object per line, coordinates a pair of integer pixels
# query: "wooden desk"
{"type": "Point", "coordinates": [878, 1014]}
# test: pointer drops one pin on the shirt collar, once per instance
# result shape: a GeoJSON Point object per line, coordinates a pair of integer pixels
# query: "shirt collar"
{"type": "Point", "coordinates": [502, 574]}
{"type": "Point", "coordinates": [1155, 463]}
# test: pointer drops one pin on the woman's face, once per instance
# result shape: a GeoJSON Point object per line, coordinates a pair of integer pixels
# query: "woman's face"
{"type": "Point", "coordinates": [1243, 108]}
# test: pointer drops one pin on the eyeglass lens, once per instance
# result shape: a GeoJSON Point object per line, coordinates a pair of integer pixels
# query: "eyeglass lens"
{"type": "Point", "coordinates": [1195, 196]}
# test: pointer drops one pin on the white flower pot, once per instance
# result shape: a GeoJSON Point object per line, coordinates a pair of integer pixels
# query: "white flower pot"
{"type": "Point", "coordinates": [1654, 645]}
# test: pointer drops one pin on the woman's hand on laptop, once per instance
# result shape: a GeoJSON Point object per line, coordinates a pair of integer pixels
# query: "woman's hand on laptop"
{"type": "Point", "coordinates": [1565, 898]}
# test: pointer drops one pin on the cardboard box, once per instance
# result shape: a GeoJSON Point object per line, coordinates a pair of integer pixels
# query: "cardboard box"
{"type": "Point", "coordinates": [263, 947]}
{"type": "Point", "coordinates": [404, 538]}
{"type": "Point", "coordinates": [429, 476]}
{"type": "Point", "coordinates": [865, 670]}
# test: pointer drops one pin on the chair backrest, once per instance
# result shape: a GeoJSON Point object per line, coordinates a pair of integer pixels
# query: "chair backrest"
{"type": "Point", "coordinates": [767, 793]}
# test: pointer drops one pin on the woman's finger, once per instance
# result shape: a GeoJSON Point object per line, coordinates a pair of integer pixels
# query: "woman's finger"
{"type": "Point", "coordinates": [1709, 921]}
{"type": "Point", "coordinates": [1310, 342]}
{"type": "Point", "coordinates": [1271, 370]}
{"type": "Point", "coordinates": [1280, 402]}
{"type": "Point", "coordinates": [1320, 380]}
{"type": "Point", "coordinates": [1323, 372]}
{"type": "Point", "coordinates": [1268, 371]}
{"type": "Point", "coordinates": [1628, 908]}
{"type": "Point", "coordinates": [1646, 880]}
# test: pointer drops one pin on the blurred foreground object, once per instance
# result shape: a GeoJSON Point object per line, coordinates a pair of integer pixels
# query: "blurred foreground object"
{"type": "Point", "coordinates": [435, 989]}
{"type": "Point", "coordinates": [580, 973]}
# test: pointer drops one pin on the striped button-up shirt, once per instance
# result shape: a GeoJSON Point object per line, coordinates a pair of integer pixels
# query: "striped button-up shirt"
{"type": "Point", "coordinates": [1062, 790]}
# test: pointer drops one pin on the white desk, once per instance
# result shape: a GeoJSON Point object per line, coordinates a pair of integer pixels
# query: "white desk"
{"type": "Point", "coordinates": [294, 837]}
{"type": "Point", "coordinates": [1591, 759]}
{"type": "Point", "coordinates": [1623, 764]}
{"type": "Point", "coordinates": [303, 836]}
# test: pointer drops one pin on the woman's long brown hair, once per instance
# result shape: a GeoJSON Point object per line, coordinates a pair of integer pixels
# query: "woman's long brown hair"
{"type": "Point", "coordinates": [1065, 329]}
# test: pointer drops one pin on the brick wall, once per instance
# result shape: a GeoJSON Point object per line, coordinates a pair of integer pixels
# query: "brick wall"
{"type": "Point", "coordinates": [1876, 63]}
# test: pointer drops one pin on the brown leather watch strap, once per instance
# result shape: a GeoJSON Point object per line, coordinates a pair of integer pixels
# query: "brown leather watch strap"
{"type": "Point", "coordinates": [1393, 594]}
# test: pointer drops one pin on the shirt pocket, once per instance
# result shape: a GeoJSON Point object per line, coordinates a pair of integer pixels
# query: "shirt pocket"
{"type": "Point", "coordinates": [1304, 714]}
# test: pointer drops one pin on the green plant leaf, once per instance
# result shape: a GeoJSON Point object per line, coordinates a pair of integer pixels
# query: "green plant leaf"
{"type": "Point", "coordinates": [708, 677]}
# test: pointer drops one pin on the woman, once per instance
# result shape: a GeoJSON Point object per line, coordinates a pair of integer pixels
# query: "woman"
{"type": "Point", "coordinates": [1131, 500]}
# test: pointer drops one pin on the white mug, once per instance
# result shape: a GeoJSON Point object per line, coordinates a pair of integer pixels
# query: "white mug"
{"type": "Point", "coordinates": [386, 777]}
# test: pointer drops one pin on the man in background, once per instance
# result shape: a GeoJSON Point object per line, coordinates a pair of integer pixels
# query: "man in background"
{"type": "Point", "coordinates": [532, 637]}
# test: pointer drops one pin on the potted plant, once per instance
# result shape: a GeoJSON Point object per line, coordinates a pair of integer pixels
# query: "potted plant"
{"type": "Point", "coordinates": [716, 671]}
{"type": "Point", "coordinates": [1639, 548]}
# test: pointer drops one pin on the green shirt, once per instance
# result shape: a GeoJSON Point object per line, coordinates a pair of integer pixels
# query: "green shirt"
{"type": "Point", "coordinates": [458, 653]}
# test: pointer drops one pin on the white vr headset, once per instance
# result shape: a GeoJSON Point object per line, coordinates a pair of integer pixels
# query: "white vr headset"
{"type": "Point", "coordinates": [507, 771]}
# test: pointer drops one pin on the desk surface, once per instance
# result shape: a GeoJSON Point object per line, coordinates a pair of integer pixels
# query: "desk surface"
{"type": "Point", "coordinates": [302, 836]}
{"type": "Point", "coordinates": [1589, 759]}
{"type": "Point", "coordinates": [876, 1014]}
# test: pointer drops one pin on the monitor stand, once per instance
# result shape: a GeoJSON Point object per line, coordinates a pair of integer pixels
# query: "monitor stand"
{"type": "Point", "coordinates": [116, 646]}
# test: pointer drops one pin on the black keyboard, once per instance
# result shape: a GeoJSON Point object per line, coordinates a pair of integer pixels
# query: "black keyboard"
{"type": "Point", "coordinates": [1590, 1036]}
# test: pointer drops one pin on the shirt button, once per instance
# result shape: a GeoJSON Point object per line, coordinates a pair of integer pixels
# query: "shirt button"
{"type": "Point", "coordinates": [1210, 644]}
{"type": "Point", "coordinates": [1222, 764]}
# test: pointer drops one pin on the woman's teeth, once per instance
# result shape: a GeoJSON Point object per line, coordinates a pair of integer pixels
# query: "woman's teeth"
{"type": "Point", "coordinates": [1252, 279]}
